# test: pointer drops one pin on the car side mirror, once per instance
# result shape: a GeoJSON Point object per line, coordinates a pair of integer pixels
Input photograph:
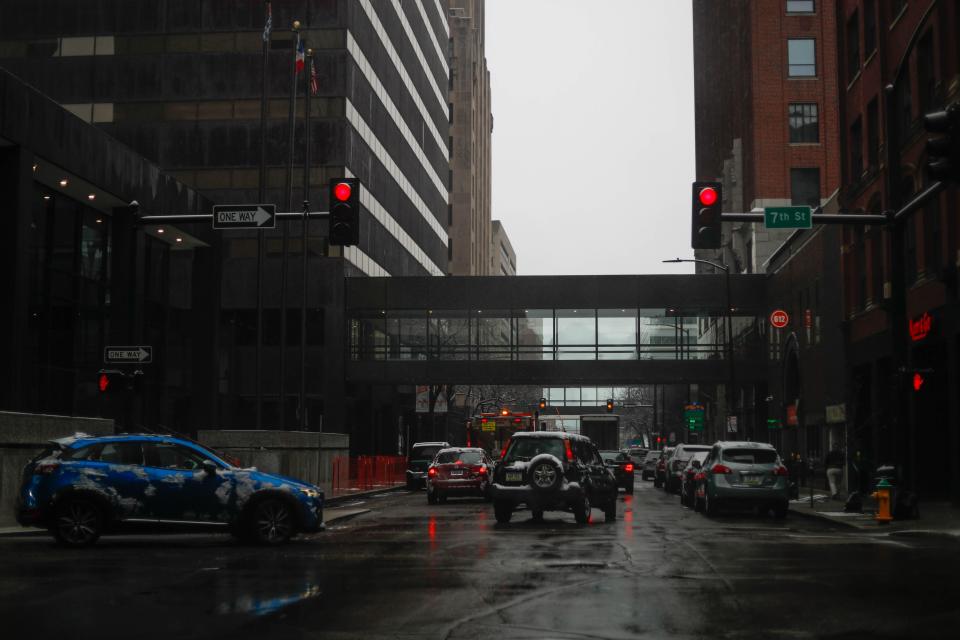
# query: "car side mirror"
{"type": "Point", "coordinates": [210, 467]}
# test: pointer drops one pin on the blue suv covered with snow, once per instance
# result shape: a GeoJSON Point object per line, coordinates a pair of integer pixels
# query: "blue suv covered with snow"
{"type": "Point", "coordinates": [83, 486]}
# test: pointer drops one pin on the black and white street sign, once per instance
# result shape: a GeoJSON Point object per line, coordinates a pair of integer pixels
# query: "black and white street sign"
{"type": "Point", "coordinates": [244, 216]}
{"type": "Point", "coordinates": [128, 355]}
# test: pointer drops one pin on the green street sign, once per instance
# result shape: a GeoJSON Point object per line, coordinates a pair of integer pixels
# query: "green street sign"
{"type": "Point", "coordinates": [774, 423]}
{"type": "Point", "coordinates": [787, 218]}
{"type": "Point", "coordinates": [694, 416]}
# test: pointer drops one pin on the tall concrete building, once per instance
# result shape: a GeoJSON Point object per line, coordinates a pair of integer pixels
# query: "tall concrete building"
{"type": "Point", "coordinates": [179, 81]}
{"type": "Point", "coordinates": [503, 259]}
{"type": "Point", "coordinates": [471, 125]}
{"type": "Point", "coordinates": [766, 112]}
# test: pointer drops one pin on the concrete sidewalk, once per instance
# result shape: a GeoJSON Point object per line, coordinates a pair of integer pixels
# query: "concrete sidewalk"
{"type": "Point", "coordinates": [936, 518]}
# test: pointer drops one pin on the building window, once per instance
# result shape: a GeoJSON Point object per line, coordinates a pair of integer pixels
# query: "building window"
{"type": "Point", "coordinates": [873, 135]}
{"type": "Point", "coordinates": [800, 6]}
{"type": "Point", "coordinates": [869, 27]}
{"type": "Point", "coordinates": [853, 46]}
{"type": "Point", "coordinates": [804, 123]}
{"type": "Point", "coordinates": [926, 79]}
{"type": "Point", "coordinates": [904, 102]}
{"type": "Point", "coordinates": [805, 187]}
{"type": "Point", "coordinates": [802, 58]}
{"type": "Point", "coordinates": [856, 149]}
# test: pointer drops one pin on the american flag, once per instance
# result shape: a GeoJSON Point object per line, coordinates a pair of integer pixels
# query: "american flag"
{"type": "Point", "coordinates": [314, 81]}
{"type": "Point", "coordinates": [268, 25]}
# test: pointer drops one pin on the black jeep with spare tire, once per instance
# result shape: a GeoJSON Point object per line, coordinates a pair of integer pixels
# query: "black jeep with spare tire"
{"type": "Point", "coordinates": [553, 471]}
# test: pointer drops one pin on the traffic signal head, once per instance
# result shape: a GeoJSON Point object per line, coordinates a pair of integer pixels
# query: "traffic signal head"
{"type": "Point", "coordinates": [103, 382]}
{"type": "Point", "coordinates": [344, 211]}
{"type": "Point", "coordinates": [543, 403]}
{"type": "Point", "coordinates": [110, 380]}
{"type": "Point", "coordinates": [943, 152]}
{"type": "Point", "coordinates": [609, 405]}
{"type": "Point", "coordinates": [706, 206]}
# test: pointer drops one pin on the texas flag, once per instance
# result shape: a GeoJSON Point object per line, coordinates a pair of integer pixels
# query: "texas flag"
{"type": "Point", "coordinates": [301, 57]}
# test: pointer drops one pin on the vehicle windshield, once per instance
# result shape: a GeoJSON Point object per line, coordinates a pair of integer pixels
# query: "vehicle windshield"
{"type": "Point", "coordinates": [466, 457]}
{"type": "Point", "coordinates": [750, 456]}
{"type": "Point", "coordinates": [609, 456]}
{"type": "Point", "coordinates": [523, 449]}
{"type": "Point", "coordinates": [424, 453]}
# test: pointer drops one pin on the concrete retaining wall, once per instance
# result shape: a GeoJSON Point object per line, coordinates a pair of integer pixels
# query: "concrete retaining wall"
{"type": "Point", "coordinates": [304, 455]}
{"type": "Point", "coordinates": [24, 435]}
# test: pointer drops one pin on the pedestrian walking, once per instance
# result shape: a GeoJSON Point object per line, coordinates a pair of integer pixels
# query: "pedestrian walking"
{"type": "Point", "coordinates": [834, 463]}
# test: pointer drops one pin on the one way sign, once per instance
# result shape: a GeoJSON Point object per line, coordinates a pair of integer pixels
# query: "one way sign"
{"type": "Point", "coordinates": [129, 355]}
{"type": "Point", "coordinates": [244, 216]}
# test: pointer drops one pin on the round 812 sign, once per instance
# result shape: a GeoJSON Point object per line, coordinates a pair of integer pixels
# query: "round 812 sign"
{"type": "Point", "coordinates": [779, 318]}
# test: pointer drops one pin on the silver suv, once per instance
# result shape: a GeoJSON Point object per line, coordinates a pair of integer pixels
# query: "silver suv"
{"type": "Point", "coordinates": [742, 474]}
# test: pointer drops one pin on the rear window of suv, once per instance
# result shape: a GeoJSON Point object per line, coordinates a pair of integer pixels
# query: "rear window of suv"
{"type": "Point", "coordinates": [467, 457]}
{"type": "Point", "coordinates": [524, 449]}
{"type": "Point", "coordinates": [424, 453]}
{"type": "Point", "coordinates": [750, 456]}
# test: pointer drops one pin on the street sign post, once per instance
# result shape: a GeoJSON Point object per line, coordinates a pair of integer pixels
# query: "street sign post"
{"type": "Point", "coordinates": [788, 217]}
{"type": "Point", "coordinates": [779, 319]}
{"type": "Point", "coordinates": [694, 416]}
{"type": "Point", "coordinates": [128, 355]}
{"type": "Point", "coordinates": [244, 216]}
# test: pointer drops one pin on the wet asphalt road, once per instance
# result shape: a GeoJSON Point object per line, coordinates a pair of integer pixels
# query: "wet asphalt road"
{"type": "Point", "coordinates": [406, 570]}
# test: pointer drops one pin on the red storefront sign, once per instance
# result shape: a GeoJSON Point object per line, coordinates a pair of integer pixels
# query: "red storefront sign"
{"type": "Point", "coordinates": [920, 328]}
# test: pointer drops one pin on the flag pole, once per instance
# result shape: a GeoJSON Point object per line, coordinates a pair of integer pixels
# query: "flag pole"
{"type": "Point", "coordinates": [286, 234]}
{"type": "Point", "coordinates": [261, 198]}
{"type": "Point", "coordinates": [308, 91]}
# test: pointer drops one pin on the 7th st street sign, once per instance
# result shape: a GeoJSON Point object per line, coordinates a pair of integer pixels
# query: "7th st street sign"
{"type": "Point", "coordinates": [244, 216]}
{"type": "Point", "coordinates": [128, 355]}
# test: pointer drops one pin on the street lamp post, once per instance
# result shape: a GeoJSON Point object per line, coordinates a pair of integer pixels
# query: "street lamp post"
{"type": "Point", "coordinates": [731, 410]}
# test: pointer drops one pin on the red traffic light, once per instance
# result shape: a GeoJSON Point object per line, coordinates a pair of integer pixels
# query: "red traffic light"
{"type": "Point", "coordinates": [103, 383]}
{"type": "Point", "coordinates": [917, 381]}
{"type": "Point", "coordinates": [342, 191]}
{"type": "Point", "coordinates": [708, 196]}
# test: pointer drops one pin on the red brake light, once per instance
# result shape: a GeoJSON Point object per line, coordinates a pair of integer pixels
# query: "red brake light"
{"type": "Point", "coordinates": [503, 452]}
{"type": "Point", "coordinates": [45, 468]}
{"type": "Point", "coordinates": [708, 196]}
{"type": "Point", "coordinates": [781, 470]}
{"type": "Point", "coordinates": [700, 476]}
{"type": "Point", "coordinates": [482, 470]}
{"type": "Point", "coordinates": [719, 468]}
{"type": "Point", "coordinates": [459, 461]}
{"type": "Point", "coordinates": [342, 191]}
{"type": "Point", "coordinates": [432, 471]}
{"type": "Point", "coordinates": [569, 450]}
{"type": "Point", "coordinates": [628, 467]}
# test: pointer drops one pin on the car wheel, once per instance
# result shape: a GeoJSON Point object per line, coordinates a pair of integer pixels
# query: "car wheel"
{"type": "Point", "coordinates": [709, 506]}
{"type": "Point", "coordinates": [272, 522]}
{"type": "Point", "coordinates": [656, 483]}
{"type": "Point", "coordinates": [581, 512]}
{"type": "Point", "coordinates": [78, 522]}
{"type": "Point", "coordinates": [610, 512]}
{"type": "Point", "coordinates": [431, 496]}
{"type": "Point", "coordinates": [502, 510]}
{"type": "Point", "coordinates": [537, 515]}
{"type": "Point", "coordinates": [545, 476]}
{"type": "Point", "coordinates": [780, 511]}
{"type": "Point", "coordinates": [441, 498]}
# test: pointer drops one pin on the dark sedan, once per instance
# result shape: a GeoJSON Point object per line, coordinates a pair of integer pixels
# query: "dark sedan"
{"type": "Point", "coordinates": [622, 467]}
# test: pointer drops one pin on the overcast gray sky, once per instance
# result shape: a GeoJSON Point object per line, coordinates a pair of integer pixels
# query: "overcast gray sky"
{"type": "Point", "coordinates": [592, 103]}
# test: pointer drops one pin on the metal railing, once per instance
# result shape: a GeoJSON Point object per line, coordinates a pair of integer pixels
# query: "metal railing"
{"type": "Point", "coordinates": [366, 473]}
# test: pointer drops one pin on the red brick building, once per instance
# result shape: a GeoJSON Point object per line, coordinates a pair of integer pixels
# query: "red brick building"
{"type": "Point", "coordinates": [913, 47]}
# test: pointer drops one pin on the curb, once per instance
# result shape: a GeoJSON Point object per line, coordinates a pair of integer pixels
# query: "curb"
{"type": "Point", "coordinates": [813, 515]}
{"type": "Point", "coordinates": [360, 494]}
{"type": "Point", "coordinates": [21, 532]}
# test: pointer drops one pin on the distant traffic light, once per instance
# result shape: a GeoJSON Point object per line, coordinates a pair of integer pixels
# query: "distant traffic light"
{"type": "Point", "coordinates": [344, 212]}
{"type": "Point", "coordinates": [103, 382]}
{"type": "Point", "coordinates": [706, 207]}
{"type": "Point", "coordinates": [609, 405]}
{"type": "Point", "coordinates": [918, 381]}
{"type": "Point", "coordinates": [943, 152]}
{"type": "Point", "coordinates": [543, 403]}
{"type": "Point", "coordinates": [110, 380]}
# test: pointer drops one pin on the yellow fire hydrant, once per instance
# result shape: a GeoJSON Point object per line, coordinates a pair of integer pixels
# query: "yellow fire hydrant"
{"type": "Point", "coordinates": [882, 495]}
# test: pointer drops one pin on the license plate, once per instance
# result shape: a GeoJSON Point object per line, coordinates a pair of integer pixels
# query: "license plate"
{"type": "Point", "coordinates": [514, 477]}
{"type": "Point", "coordinates": [456, 472]}
{"type": "Point", "coordinates": [752, 480]}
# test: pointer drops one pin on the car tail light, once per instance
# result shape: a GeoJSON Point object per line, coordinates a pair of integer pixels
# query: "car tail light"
{"type": "Point", "coordinates": [628, 467]}
{"type": "Point", "coordinates": [45, 468]}
{"type": "Point", "coordinates": [481, 470]}
{"type": "Point", "coordinates": [700, 476]}
{"type": "Point", "coordinates": [720, 468]}
{"type": "Point", "coordinates": [432, 471]}
{"type": "Point", "coordinates": [503, 452]}
{"type": "Point", "coordinates": [569, 450]}
{"type": "Point", "coordinates": [780, 470]}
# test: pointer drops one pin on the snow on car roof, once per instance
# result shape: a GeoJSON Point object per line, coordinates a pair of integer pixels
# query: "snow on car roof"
{"type": "Point", "coordinates": [548, 434]}
{"type": "Point", "coordinates": [745, 444]}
